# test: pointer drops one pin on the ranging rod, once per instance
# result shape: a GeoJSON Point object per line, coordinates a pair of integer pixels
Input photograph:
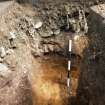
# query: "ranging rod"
{"type": "Point", "coordinates": [69, 64]}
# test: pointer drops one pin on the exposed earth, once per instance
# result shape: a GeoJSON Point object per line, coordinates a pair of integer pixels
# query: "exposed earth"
{"type": "Point", "coordinates": [34, 54]}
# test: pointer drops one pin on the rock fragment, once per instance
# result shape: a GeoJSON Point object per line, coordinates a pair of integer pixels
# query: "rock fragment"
{"type": "Point", "coordinates": [9, 51]}
{"type": "Point", "coordinates": [4, 70]}
{"type": "Point", "coordinates": [12, 38]}
{"type": "Point", "coordinates": [38, 24]}
{"type": "Point", "coordinates": [52, 22]}
{"type": "Point", "coordinates": [2, 52]}
{"type": "Point", "coordinates": [56, 31]}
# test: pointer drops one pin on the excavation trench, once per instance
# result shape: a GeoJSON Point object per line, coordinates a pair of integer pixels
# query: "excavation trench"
{"type": "Point", "coordinates": [47, 75]}
{"type": "Point", "coordinates": [48, 80]}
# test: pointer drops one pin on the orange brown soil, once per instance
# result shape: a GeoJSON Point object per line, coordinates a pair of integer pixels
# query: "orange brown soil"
{"type": "Point", "coordinates": [48, 80]}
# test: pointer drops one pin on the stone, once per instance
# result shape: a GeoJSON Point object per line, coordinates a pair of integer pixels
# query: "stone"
{"type": "Point", "coordinates": [46, 50]}
{"type": "Point", "coordinates": [72, 21]}
{"type": "Point", "coordinates": [47, 33]}
{"type": "Point", "coordinates": [1, 60]}
{"type": "Point", "coordinates": [12, 35]}
{"type": "Point", "coordinates": [51, 47]}
{"type": "Point", "coordinates": [2, 52]}
{"type": "Point", "coordinates": [4, 70]}
{"type": "Point", "coordinates": [99, 9]}
{"type": "Point", "coordinates": [9, 51]}
{"type": "Point", "coordinates": [80, 42]}
{"type": "Point", "coordinates": [97, 21]}
{"type": "Point", "coordinates": [56, 31]}
{"type": "Point", "coordinates": [31, 30]}
{"type": "Point", "coordinates": [38, 24]}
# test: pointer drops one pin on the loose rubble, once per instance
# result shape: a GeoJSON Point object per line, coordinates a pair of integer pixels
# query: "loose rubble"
{"type": "Point", "coordinates": [51, 21]}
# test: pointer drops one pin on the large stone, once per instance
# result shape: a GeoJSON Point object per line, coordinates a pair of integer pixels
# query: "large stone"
{"type": "Point", "coordinates": [99, 9]}
{"type": "Point", "coordinates": [97, 16]}
{"type": "Point", "coordinates": [4, 70]}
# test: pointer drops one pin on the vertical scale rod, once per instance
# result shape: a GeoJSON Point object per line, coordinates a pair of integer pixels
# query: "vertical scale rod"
{"type": "Point", "coordinates": [69, 64]}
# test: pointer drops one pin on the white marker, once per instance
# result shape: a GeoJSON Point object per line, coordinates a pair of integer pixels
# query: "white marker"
{"type": "Point", "coordinates": [70, 45]}
{"type": "Point", "coordinates": [68, 82]}
{"type": "Point", "coordinates": [69, 65]}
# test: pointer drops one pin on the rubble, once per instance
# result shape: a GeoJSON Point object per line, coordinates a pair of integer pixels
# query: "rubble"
{"type": "Point", "coordinates": [51, 21]}
{"type": "Point", "coordinates": [46, 33]}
